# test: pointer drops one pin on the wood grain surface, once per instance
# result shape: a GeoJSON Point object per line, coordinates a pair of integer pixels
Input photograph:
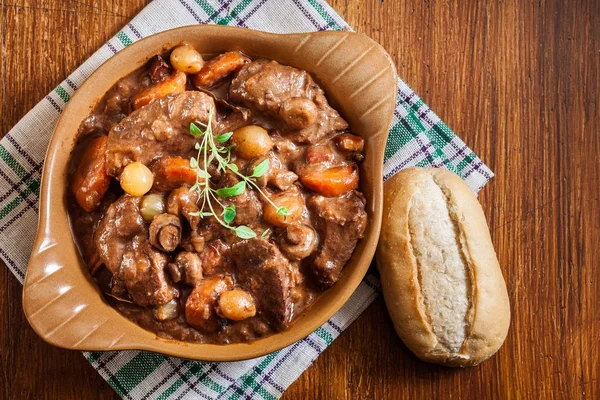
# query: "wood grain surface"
{"type": "Point", "coordinates": [519, 81]}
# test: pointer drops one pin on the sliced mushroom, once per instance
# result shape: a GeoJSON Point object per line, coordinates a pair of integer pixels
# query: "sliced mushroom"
{"type": "Point", "coordinates": [298, 241]}
{"type": "Point", "coordinates": [165, 232]}
{"type": "Point", "coordinates": [186, 268]}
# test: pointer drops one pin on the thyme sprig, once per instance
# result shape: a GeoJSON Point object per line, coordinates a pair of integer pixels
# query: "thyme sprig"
{"type": "Point", "coordinates": [212, 149]}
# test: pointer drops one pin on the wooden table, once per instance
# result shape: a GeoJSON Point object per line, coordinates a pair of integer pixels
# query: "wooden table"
{"type": "Point", "coordinates": [519, 81]}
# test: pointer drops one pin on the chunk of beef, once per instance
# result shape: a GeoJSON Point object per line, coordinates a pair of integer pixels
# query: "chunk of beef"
{"type": "Point", "coordinates": [118, 100]}
{"type": "Point", "coordinates": [84, 224]}
{"type": "Point", "coordinates": [198, 238]}
{"type": "Point", "coordinates": [282, 179]}
{"type": "Point", "coordinates": [158, 69]}
{"type": "Point", "coordinates": [233, 121]}
{"type": "Point", "coordinates": [276, 175]}
{"type": "Point", "coordinates": [320, 154]}
{"type": "Point", "coordinates": [120, 224]}
{"type": "Point", "coordinates": [122, 245]}
{"type": "Point", "coordinates": [189, 243]}
{"type": "Point", "coordinates": [248, 209]}
{"type": "Point", "coordinates": [264, 85]}
{"type": "Point", "coordinates": [213, 257]}
{"type": "Point", "coordinates": [287, 150]}
{"type": "Point", "coordinates": [158, 129]}
{"type": "Point", "coordinates": [341, 221]}
{"type": "Point", "coordinates": [98, 124]}
{"type": "Point", "coordinates": [165, 232]}
{"type": "Point", "coordinates": [290, 96]}
{"type": "Point", "coordinates": [143, 272]}
{"type": "Point", "coordinates": [247, 205]}
{"type": "Point", "coordinates": [265, 273]}
{"type": "Point", "coordinates": [186, 268]}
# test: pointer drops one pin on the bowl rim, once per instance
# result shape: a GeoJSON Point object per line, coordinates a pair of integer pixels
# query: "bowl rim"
{"type": "Point", "coordinates": [45, 251]}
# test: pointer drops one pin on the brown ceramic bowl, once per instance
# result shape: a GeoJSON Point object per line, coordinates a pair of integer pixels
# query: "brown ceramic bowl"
{"type": "Point", "coordinates": [61, 300]}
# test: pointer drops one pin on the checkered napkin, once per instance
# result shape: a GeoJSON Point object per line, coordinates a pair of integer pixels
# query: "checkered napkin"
{"type": "Point", "coordinates": [417, 138]}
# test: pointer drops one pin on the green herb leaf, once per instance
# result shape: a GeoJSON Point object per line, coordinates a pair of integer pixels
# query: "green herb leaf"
{"type": "Point", "coordinates": [233, 167]}
{"type": "Point", "coordinates": [203, 174]}
{"type": "Point", "coordinates": [235, 190]}
{"type": "Point", "coordinates": [260, 169]}
{"type": "Point", "coordinates": [244, 232]}
{"type": "Point", "coordinates": [195, 131]}
{"type": "Point", "coordinates": [229, 213]}
{"type": "Point", "coordinates": [224, 137]}
{"type": "Point", "coordinates": [215, 153]}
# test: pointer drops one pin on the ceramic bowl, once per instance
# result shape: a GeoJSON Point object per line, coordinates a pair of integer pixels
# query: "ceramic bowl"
{"type": "Point", "coordinates": [61, 300]}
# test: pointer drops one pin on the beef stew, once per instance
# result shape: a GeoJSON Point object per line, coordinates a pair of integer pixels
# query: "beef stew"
{"type": "Point", "coordinates": [214, 201]}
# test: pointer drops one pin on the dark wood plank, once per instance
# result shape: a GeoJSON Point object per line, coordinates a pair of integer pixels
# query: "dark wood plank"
{"type": "Point", "coordinates": [43, 42]}
{"type": "Point", "coordinates": [518, 81]}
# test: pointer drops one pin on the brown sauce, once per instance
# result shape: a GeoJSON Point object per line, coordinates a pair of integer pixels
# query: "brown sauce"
{"type": "Point", "coordinates": [312, 160]}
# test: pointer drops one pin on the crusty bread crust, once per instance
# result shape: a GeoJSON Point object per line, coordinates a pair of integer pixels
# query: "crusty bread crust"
{"type": "Point", "coordinates": [488, 317]}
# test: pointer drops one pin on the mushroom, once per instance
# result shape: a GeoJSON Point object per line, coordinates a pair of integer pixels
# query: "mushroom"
{"type": "Point", "coordinates": [165, 232]}
{"type": "Point", "coordinates": [186, 268]}
{"type": "Point", "coordinates": [298, 241]}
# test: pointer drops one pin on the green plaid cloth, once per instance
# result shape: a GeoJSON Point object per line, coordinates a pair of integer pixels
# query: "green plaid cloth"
{"type": "Point", "coordinates": [417, 137]}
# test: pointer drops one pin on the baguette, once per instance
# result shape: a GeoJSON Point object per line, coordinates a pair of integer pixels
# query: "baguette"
{"type": "Point", "coordinates": [440, 276]}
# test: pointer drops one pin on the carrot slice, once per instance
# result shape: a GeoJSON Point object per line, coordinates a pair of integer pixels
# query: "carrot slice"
{"type": "Point", "coordinates": [218, 68]}
{"type": "Point", "coordinates": [173, 84]}
{"type": "Point", "coordinates": [331, 182]}
{"type": "Point", "coordinates": [200, 305]}
{"type": "Point", "coordinates": [173, 172]}
{"type": "Point", "coordinates": [90, 181]}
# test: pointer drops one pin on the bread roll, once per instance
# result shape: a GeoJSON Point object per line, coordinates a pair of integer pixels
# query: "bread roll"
{"type": "Point", "coordinates": [441, 280]}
